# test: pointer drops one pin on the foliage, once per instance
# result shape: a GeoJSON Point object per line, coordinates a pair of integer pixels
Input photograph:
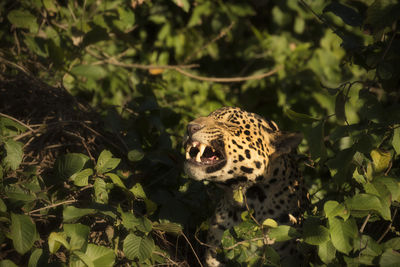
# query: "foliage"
{"type": "Point", "coordinates": [147, 68]}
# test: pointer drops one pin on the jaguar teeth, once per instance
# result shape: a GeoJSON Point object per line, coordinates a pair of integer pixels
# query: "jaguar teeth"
{"type": "Point", "coordinates": [202, 147]}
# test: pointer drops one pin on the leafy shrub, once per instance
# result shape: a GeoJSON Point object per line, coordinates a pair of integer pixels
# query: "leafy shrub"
{"type": "Point", "coordinates": [83, 186]}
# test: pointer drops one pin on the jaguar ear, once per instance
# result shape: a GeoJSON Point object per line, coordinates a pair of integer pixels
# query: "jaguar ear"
{"type": "Point", "coordinates": [284, 143]}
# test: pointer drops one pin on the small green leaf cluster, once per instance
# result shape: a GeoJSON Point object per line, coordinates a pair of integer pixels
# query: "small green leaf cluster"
{"type": "Point", "coordinates": [74, 238]}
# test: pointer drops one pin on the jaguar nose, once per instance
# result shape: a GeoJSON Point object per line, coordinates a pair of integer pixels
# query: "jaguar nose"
{"type": "Point", "coordinates": [193, 127]}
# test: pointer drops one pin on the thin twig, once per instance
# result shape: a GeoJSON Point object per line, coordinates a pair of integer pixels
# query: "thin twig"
{"type": "Point", "coordinates": [220, 35]}
{"type": "Point", "coordinates": [388, 228]}
{"type": "Point", "coordinates": [14, 119]}
{"type": "Point", "coordinates": [194, 252]}
{"type": "Point", "coordinates": [52, 206]}
{"type": "Point", "coordinates": [365, 223]}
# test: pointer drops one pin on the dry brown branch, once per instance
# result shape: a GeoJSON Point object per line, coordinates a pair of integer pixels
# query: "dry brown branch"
{"type": "Point", "coordinates": [229, 80]}
{"type": "Point", "coordinates": [52, 206]}
{"type": "Point", "coordinates": [365, 223]}
{"type": "Point", "coordinates": [18, 121]}
{"type": "Point", "coordinates": [388, 228]}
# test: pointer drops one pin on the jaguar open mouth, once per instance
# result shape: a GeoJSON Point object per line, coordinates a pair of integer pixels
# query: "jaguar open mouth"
{"type": "Point", "coordinates": [199, 153]}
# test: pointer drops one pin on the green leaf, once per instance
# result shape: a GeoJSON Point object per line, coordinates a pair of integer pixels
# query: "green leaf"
{"type": "Point", "coordinates": [100, 191]}
{"type": "Point", "coordinates": [56, 240]}
{"type": "Point", "coordinates": [138, 191]}
{"type": "Point", "coordinates": [7, 263]}
{"type": "Point", "coordinates": [270, 223]}
{"type": "Point", "coordinates": [3, 207]}
{"type": "Point", "coordinates": [70, 164]}
{"type": "Point", "coordinates": [299, 117]}
{"type": "Point", "coordinates": [89, 71]}
{"type": "Point", "coordinates": [184, 4]}
{"type": "Point", "coordinates": [37, 258]}
{"type": "Point", "coordinates": [340, 106]}
{"type": "Point", "coordinates": [343, 233]}
{"type": "Point", "coordinates": [368, 202]}
{"type": "Point", "coordinates": [316, 143]}
{"type": "Point", "coordinates": [106, 162]}
{"type": "Point", "coordinates": [349, 15]}
{"type": "Point", "coordinates": [333, 208]}
{"type": "Point", "coordinates": [116, 180]}
{"type": "Point", "coordinates": [327, 252]}
{"type": "Point", "coordinates": [83, 261]}
{"type": "Point", "coordinates": [138, 247]}
{"type": "Point", "coordinates": [381, 160]}
{"type": "Point", "coordinates": [81, 178]}
{"type": "Point", "coordinates": [70, 213]}
{"type": "Point", "coordinates": [14, 154]}
{"type": "Point", "coordinates": [396, 140]}
{"type": "Point", "coordinates": [132, 222]}
{"type": "Point", "coordinates": [168, 227]}
{"type": "Point", "coordinates": [393, 243]}
{"type": "Point", "coordinates": [390, 258]}
{"type": "Point", "coordinates": [23, 233]}
{"type": "Point", "coordinates": [78, 233]}
{"type": "Point", "coordinates": [282, 233]}
{"type": "Point", "coordinates": [315, 234]}
{"type": "Point", "coordinates": [100, 256]}
{"type": "Point", "coordinates": [23, 19]}
{"type": "Point", "coordinates": [135, 155]}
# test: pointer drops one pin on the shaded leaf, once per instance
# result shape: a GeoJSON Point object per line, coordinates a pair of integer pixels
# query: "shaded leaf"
{"type": "Point", "coordinates": [14, 154]}
{"type": "Point", "coordinates": [71, 213]}
{"type": "Point", "coordinates": [299, 117]}
{"type": "Point", "coordinates": [347, 14]}
{"type": "Point", "coordinates": [70, 164]}
{"type": "Point", "coordinates": [22, 232]}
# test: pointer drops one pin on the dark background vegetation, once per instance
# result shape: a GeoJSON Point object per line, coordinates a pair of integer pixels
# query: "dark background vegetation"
{"type": "Point", "coordinates": [95, 97]}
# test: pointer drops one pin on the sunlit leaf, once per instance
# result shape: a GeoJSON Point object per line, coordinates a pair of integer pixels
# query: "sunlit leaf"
{"type": "Point", "coordinates": [23, 19]}
{"type": "Point", "coordinates": [81, 178]}
{"type": "Point", "coordinates": [89, 71]}
{"type": "Point", "coordinates": [270, 223]}
{"type": "Point", "coordinates": [396, 140]}
{"type": "Point", "coordinates": [282, 233]}
{"type": "Point", "coordinates": [106, 162]}
{"type": "Point", "coordinates": [56, 239]}
{"type": "Point", "coordinates": [327, 252]}
{"type": "Point", "coordinates": [78, 233]}
{"type": "Point", "coordinates": [138, 247]}
{"type": "Point", "coordinates": [343, 233]}
{"type": "Point", "coordinates": [381, 160]}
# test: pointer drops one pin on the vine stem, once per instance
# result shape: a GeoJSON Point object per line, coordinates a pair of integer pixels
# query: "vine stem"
{"type": "Point", "coordinates": [191, 247]}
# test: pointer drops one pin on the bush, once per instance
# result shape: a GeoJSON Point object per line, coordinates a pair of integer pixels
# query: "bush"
{"type": "Point", "coordinates": [96, 96]}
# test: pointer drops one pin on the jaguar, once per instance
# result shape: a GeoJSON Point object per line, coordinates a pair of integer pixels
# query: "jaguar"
{"type": "Point", "coordinates": [236, 149]}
